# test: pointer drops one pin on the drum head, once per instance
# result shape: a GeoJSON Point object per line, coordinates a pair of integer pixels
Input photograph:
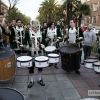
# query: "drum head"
{"type": "Point", "coordinates": [41, 58]}
{"type": "Point", "coordinates": [53, 55]}
{"type": "Point", "coordinates": [50, 48]}
{"type": "Point", "coordinates": [93, 57]}
{"type": "Point", "coordinates": [97, 63]}
{"type": "Point", "coordinates": [69, 49]}
{"type": "Point", "coordinates": [10, 94]}
{"type": "Point", "coordinates": [6, 53]}
{"type": "Point", "coordinates": [91, 60]}
{"type": "Point", "coordinates": [24, 58]}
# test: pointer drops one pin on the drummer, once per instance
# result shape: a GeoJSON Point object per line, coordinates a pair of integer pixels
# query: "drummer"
{"type": "Point", "coordinates": [74, 33]}
{"type": "Point", "coordinates": [3, 30]}
{"type": "Point", "coordinates": [53, 37]}
{"type": "Point", "coordinates": [28, 44]}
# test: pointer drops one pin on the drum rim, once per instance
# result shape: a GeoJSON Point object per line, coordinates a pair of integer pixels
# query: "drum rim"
{"type": "Point", "coordinates": [42, 61]}
{"type": "Point", "coordinates": [53, 57]}
{"type": "Point", "coordinates": [90, 62]}
{"type": "Point", "coordinates": [95, 65]}
{"type": "Point", "coordinates": [13, 90]}
{"type": "Point", "coordinates": [69, 52]}
{"type": "Point", "coordinates": [25, 61]}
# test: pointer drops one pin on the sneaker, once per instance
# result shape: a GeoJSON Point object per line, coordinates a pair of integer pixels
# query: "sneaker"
{"type": "Point", "coordinates": [30, 84]}
{"type": "Point", "coordinates": [41, 83]}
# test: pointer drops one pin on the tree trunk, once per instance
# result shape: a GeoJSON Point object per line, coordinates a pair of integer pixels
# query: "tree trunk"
{"type": "Point", "coordinates": [80, 18]}
{"type": "Point", "coordinates": [68, 14]}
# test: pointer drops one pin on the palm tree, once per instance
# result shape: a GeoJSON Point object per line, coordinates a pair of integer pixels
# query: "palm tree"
{"type": "Point", "coordinates": [48, 9]}
{"type": "Point", "coordinates": [81, 10]}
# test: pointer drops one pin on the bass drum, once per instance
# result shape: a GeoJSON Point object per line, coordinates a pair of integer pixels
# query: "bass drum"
{"type": "Point", "coordinates": [10, 94]}
{"type": "Point", "coordinates": [7, 64]}
{"type": "Point", "coordinates": [70, 57]}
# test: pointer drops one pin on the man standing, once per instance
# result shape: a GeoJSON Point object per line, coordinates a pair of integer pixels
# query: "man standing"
{"type": "Point", "coordinates": [89, 39]}
{"type": "Point", "coordinates": [74, 33]}
{"type": "Point", "coordinates": [3, 31]}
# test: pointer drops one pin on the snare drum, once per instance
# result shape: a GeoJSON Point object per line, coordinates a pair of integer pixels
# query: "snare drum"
{"type": "Point", "coordinates": [41, 62]}
{"type": "Point", "coordinates": [7, 64]}
{"type": "Point", "coordinates": [53, 58]}
{"type": "Point", "coordinates": [96, 66]}
{"type": "Point", "coordinates": [92, 57]}
{"type": "Point", "coordinates": [50, 48]}
{"type": "Point", "coordinates": [24, 61]}
{"type": "Point", "coordinates": [10, 94]}
{"type": "Point", "coordinates": [89, 63]}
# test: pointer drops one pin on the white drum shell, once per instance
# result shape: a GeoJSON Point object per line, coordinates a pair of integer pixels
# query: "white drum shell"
{"type": "Point", "coordinates": [41, 62]}
{"type": "Point", "coordinates": [24, 64]}
{"type": "Point", "coordinates": [24, 61]}
{"type": "Point", "coordinates": [97, 68]}
{"type": "Point", "coordinates": [89, 63]}
{"type": "Point", "coordinates": [53, 58]}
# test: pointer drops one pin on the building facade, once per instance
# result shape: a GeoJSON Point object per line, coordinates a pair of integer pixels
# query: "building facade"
{"type": "Point", "coordinates": [3, 8]}
{"type": "Point", "coordinates": [94, 18]}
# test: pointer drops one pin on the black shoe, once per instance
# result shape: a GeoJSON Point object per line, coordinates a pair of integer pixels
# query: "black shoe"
{"type": "Point", "coordinates": [41, 83]}
{"type": "Point", "coordinates": [56, 66]}
{"type": "Point", "coordinates": [50, 65]}
{"type": "Point", "coordinates": [30, 84]}
{"type": "Point", "coordinates": [77, 72]}
{"type": "Point", "coordinates": [97, 73]}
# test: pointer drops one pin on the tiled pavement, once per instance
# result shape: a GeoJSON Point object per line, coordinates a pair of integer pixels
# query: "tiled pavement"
{"type": "Point", "coordinates": [60, 85]}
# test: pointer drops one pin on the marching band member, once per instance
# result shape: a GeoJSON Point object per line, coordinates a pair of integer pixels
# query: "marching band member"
{"type": "Point", "coordinates": [53, 34]}
{"type": "Point", "coordinates": [29, 42]}
{"type": "Point", "coordinates": [44, 34]}
{"type": "Point", "coordinates": [17, 36]}
{"type": "Point", "coordinates": [75, 33]}
{"type": "Point", "coordinates": [3, 31]}
{"type": "Point", "coordinates": [12, 32]}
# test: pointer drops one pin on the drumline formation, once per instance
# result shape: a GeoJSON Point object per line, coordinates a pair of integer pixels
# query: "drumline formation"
{"type": "Point", "coordinates": [44, 47]}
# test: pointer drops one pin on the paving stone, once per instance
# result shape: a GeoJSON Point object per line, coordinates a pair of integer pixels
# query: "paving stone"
{"type": "Point", "coordinates": [61, 77]}
{"type": "Point", "coordinates": [65, 84]}
{"type": "Point", "coordinates": [6, 85]}
{"type": "Point", "coordinates": [49, 78]}
{"type": "Point", "coordinates": [36, 87]}
{"type": "Point", "coordinates": [51, 85]}
{"type": "Point", "coordinates": [20, 86]}
{"type": "Point", "coordinates": [36, 95]}
{"type": "Point", "coordinates": [79, 83]}
{"type": "Point", "coordinates": [22, 79]}
{"type": "Point", "coordinates": [22, 71]}
{"type": "Point", "coordinates": [54, 94]}
{"type": "Point", "coordinates": [74, 76]}
{"type": "Point", "coordinates": [70, 93]}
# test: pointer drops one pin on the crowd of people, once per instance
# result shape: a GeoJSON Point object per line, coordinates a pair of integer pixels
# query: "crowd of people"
{"type": "Point", "coordinates": [56, 34]}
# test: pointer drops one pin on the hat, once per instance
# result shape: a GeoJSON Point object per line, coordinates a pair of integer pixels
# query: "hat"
{"type": "Point", "coordinates": [35, 24]}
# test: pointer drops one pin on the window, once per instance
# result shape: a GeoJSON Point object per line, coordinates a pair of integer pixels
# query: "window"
{"type": "Point", "coordinates": [87, 20]}
{"type": "Point", "coordinates": [95, 6]}
{"type": "Point", "coordinates": [94, 19]}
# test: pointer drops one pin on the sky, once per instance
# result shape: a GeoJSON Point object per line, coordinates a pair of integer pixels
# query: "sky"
{"type": "Point", "coordinates": [28, 7]}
